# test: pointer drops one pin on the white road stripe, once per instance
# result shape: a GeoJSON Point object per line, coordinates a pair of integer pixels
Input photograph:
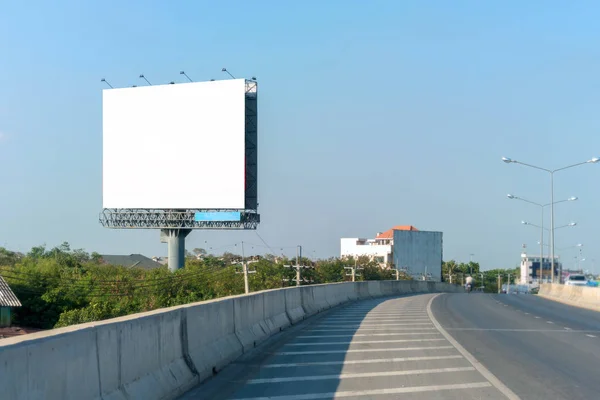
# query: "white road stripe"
{"type": "Point", "coordinates": [363, 342]}
{"type": "Point", "coordinates": [378, 311]}
{"type": "Point", "coordinates": [362, 325]}
{"type": "Point", "coordinates": [374, 392]}
{"type": "Point", "coordinates": [359, 375]}
{"type": "Point", "coordinates": [369, 311]}
{"type": "Point", "coordinates": [549, 322]}
{"type": "Point", "coordinates": [368, 334]}
{"type": "Point", "coordinates": [537, 317]}
{"type": "Point", "coordinates": [371, 329]}
{"type": "Point", "coordinates": [379, 316]}
{"type": "Point", "coordinates": [378, 319]}
{"type": "Point", "coordinates": [526, 313]}
{"type": "Point", "coordinates": [590, 335]}
{"type": "Point", "coordinates": [566, 330]}
{"type": "Point", "coordinates": [497, 383]}
{"type": "Point", "coordinates": [294, 353]}
{"type": "Point", "coordinates": [376, 322]}
{"type": "Point", "coordinates": [370, 361]}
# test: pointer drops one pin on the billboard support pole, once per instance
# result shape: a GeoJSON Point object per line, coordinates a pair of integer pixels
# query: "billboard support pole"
{"type": "Point", "coordinates": [175, 238]}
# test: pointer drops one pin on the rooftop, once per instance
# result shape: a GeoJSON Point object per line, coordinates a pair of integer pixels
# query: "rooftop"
{"type": "Point", "coordinates": [132, 260]}
{"type": "Point", "coordinates": [389, 234]}
{"type": "Point", "coordinates": [7, 297]}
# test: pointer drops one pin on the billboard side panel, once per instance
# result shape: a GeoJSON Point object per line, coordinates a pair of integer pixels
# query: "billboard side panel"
{"type": "Point", "coordinates": [251, 148]}
{"type": "Point", "coordinates": [420, 252]}
{"type": "Point", "coordinates": [175, 146]}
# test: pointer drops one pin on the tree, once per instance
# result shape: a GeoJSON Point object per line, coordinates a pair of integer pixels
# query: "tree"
{"type": "Point", "coordinates": [7, 257]}
{"type": "Point", "coordinates": [230, 257]}
{"type": "Point", "coordinates": [449, 270]}
{"type": "Point", "coordinates": [199, 252]}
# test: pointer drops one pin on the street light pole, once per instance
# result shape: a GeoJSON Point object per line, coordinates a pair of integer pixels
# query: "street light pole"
{"type": "Point", "coordinates": [471, 263]}
{"type": "Point", "coordinates": [542, 206]}
{"type": "Point", "coordinates": [551, 172]}
{"type": "Point", "coordinates": [552, 228]}
{"type": "Point", "coordinates": [542, 228]}
{"type": "Point", "coordinates": [541, 277]}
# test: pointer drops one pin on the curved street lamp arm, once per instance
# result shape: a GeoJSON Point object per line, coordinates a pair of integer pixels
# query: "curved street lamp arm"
{"type": "Point", "coordinates": [570, 166]}
{"type": "Point", "coordinates": [536, 167]}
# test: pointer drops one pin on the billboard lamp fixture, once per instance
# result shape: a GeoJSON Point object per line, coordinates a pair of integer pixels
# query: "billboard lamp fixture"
{"type": "Point", "coordinates": [254, 78]}
{"type": "Point", "coordinates": [171, 83]}
{"type": "Point", "coordinates": [184, 74]}
{"type": "Point", "coordinates": [144, 78]}
{"type": "Point", "coordinates": [227, 72]}
{"type": "Point", "coordinates": [212, 80]}
{"type": "Point", "coordinates": [105, 81]}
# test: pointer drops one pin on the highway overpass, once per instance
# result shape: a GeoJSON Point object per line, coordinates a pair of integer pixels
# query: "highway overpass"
{"type": "Point", "coordinates": [364, 340]}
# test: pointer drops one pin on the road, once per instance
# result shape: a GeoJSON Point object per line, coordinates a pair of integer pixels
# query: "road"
{"type": "Point", "coordinates": [449, 346]}
{"type": "Point", "coordinates": [539, 348]}
{"type": "Point", "coordinates": [385, 349]}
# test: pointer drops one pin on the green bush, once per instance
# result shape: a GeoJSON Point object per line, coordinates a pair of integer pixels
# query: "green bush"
{"type": "Point", "coordinates": [61, 287]}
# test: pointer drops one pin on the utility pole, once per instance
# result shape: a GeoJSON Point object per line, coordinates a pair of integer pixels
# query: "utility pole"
{"type": "Point", "coordinates": [499, 283]}
{"type": "Point", "coordinates": [404, 271]}
{"type": "Point", "coordinates": [298, 267]}
{"type": "Point", "coordinates": [508, 285]}
{"type": "Point", "coordinates": [354, 269]}
{"type": "Point", "coordinates": [298, 256]}
{"type": "Point", "coordinates": [245, 270]}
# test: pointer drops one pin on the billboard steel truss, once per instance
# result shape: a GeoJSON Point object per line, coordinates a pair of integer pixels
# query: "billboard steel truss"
{"type": "Point", "coordinates": [172, 219]}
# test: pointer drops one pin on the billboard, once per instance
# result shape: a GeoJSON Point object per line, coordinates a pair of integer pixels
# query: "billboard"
{"type": "Point", "coordinates": [420, 252]}
{"type": "Point", "coordinates": [180, 146]}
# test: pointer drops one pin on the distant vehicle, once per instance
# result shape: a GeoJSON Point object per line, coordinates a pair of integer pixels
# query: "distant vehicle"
{"type": "Point", "coordinates": [576, 280]}
{"type": "Point", "coordinates": [469, 284]}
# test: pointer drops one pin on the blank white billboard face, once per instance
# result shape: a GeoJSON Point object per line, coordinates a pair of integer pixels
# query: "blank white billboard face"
{"type": "Point", "coordinates": [175, 146]}
{"type": "Point", "coordinates": [420, 252]}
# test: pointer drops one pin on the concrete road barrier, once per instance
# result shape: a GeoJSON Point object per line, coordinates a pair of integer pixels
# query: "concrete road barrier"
{"type": "Point", "coordinates": [163, 353]}
{"type": "Point", "coordinates": [210, 336]}
{"type": "Point", "coordinates": [293, 305]}
{"type": "Point", "coordinates": [580, 296]}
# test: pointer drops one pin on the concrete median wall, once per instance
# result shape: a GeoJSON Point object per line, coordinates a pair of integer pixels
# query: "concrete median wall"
{"type": "Point", "coordinates": [163, 353]}
{"type": "Point", "coordinates": [580, 296]}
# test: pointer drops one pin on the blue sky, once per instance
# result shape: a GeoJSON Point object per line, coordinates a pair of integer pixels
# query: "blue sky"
{"type": "Point", "coordinates": [371, 115]}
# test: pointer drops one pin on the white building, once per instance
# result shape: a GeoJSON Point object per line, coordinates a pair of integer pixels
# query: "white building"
{"type": "Point", "coordinates": [530, 268]}
{"type": "Point", "coordinates": [378, 249]}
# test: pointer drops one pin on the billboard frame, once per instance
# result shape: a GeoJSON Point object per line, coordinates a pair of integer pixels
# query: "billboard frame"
{"type": "Point", "coordinates": [176, 224]}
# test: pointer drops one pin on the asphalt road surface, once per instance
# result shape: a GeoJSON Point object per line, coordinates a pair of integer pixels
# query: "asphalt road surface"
{"type": "Point", "coordinates": [377, 349]}
{"type": "Point", "coordinates": [540, 349]}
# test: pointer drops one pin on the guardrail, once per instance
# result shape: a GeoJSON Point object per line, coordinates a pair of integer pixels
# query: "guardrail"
{"type": "Point", "coordinates": [163, 353]}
